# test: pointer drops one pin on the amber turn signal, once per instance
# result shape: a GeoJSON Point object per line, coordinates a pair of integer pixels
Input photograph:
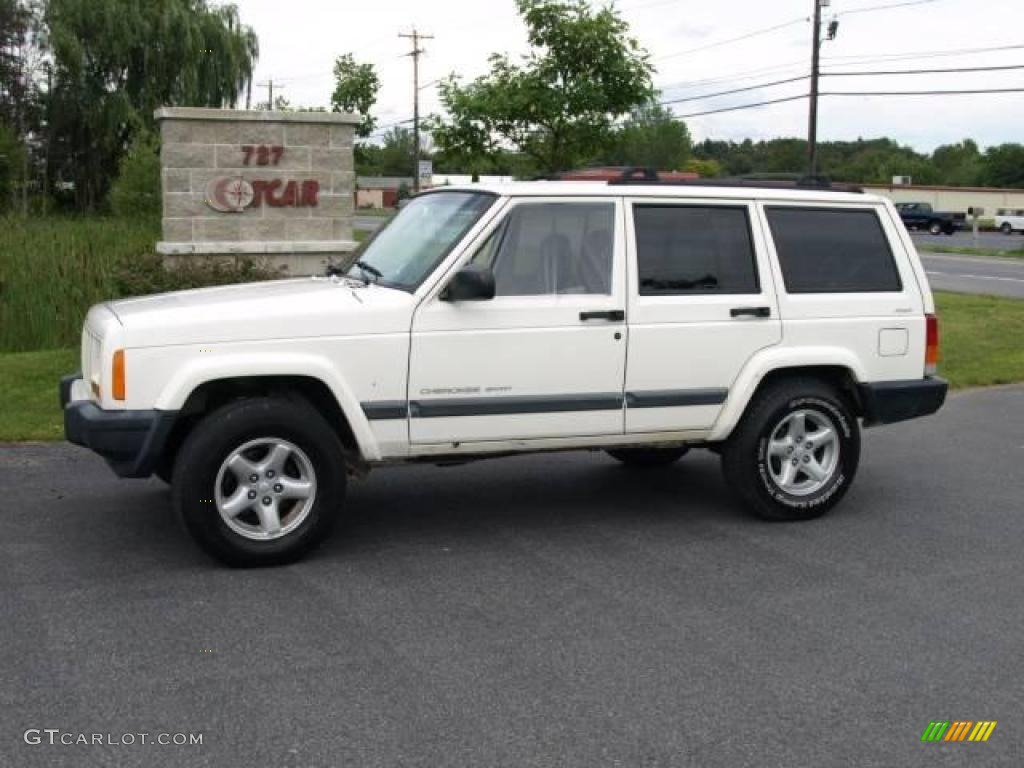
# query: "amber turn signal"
{"type": "Point", "coordinates": [117, 387]}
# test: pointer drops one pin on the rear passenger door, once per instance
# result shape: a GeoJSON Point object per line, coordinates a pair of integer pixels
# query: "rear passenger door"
{"type": "Point", "coordinates": [701, 304]}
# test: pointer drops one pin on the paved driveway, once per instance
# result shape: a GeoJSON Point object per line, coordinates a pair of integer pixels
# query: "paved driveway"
{"type": "Point", "coordinates": [542, 611]}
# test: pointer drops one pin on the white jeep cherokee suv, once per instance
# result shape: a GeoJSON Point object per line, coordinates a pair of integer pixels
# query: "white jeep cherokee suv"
{"type": "Point", "coordinates": [643, 319]}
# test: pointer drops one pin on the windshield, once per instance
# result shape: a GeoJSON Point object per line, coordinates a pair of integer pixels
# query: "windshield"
{"type": "Point", "coordinates": [411, 245]}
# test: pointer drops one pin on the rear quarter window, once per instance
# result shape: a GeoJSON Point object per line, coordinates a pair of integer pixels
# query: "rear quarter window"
{"type": "Point", "coordinates": [831, 250]}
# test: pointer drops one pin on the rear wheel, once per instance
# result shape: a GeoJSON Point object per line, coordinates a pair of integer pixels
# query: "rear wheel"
{"type": "Point", "coordinates": [1006, 229]}
{"type": "Point", "coordinates": [795, 453]}
{"type": "Point", "coordinates": [649, 457]}
{"type": "Point", "coordinates": [260, 481]}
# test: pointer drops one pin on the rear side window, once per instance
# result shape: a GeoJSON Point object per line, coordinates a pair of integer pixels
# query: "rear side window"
{"type": "Point", "coordinates": [825, 250]}
{"type": "Point", "coordinates": [694, 250]}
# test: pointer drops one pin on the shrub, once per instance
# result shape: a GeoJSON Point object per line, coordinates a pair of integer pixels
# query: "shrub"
{"type": "Point", "coordinates": [136, 192]}
{"type": "Point", "coordinates": [52, 269]}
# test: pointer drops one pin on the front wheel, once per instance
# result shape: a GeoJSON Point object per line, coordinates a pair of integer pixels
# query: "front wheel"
{"type": "Point", "coordinates": [795, 454]}
{"type": "Point", "coordinates": [260, 481]}
{"type": "Point", "coordinates": [935, 228]}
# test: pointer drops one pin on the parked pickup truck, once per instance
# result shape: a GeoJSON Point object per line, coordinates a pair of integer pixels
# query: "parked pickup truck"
{"type": "Point", "coordinates": [922, 216]}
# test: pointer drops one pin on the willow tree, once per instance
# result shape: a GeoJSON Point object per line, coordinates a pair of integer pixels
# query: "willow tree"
{"type": "Point", "coordinates": [116, 61]}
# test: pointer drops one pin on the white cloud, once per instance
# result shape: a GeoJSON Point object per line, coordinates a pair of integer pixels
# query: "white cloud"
{"type": "Point", "coordinates": [300, 39]}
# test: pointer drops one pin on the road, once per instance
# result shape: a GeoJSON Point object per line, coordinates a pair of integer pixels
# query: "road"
{"type": "Point", "coordinates": [974, 274]}
{"type": "Point", "coordinates": [965, 239]}
{"type": "Point", "coordinates": [540, 611]}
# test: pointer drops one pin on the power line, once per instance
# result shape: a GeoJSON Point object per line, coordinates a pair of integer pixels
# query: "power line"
{"type": "Point", "coordinates": [759, 86]}
{"type": "Point", "coordinates": [742, 106]}
{"type": "Point", "coordinates": [884, 7]}
{"type": "Point", "coordinates": [953, 70]}
{"type": "Point", "coordinates": [925, 93]}
{"type": "Point", "coordinates": [848, 60]}
{"type": "Point", "coordinates": [729, 41]}
{"type": "Point", "coordinates": [924, 54]}
{"type": "Point", "coordinates": [754, 105]}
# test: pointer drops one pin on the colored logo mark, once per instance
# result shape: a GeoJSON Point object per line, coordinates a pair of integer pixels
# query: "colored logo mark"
{"type": "Point", "coordinates": [958, 730]}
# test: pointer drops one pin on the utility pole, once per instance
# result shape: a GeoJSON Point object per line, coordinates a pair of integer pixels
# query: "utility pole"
{"type": "Point", "coordinates": [415, 53]}
{"type": "Point", "coordinates": [812, 126]}
{"type": "Point", "coordinates": [270, 91]}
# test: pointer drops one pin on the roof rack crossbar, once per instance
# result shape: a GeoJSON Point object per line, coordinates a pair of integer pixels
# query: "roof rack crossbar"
{"type": "Point", "coordinates": [816, 183]}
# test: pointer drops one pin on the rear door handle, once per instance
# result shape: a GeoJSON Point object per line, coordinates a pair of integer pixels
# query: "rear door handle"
{"type": "Point", "coordinates": [751, 312]}
{"type": "Point", "coordinates": [614, 315]}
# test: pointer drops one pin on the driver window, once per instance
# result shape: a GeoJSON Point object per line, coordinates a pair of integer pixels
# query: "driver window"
{"type": "Point", "coordinates": [552, 248]}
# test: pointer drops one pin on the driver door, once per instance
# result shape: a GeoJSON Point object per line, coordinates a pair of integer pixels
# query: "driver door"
{"type": "Point", "coordinates": [545, 358]}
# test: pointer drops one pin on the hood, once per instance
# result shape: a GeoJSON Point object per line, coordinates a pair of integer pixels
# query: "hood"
{"type": "Point", "coordinates": [278, 309]}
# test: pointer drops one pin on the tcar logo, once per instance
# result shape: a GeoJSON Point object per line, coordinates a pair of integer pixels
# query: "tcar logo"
{"type": "Point", "coordinates": [232, 194]}
{"type": "Point", "coordinates": [229, 194]}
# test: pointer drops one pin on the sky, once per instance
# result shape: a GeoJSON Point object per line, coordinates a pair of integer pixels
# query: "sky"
{"type": "Point", "coordinates": [694, 49]}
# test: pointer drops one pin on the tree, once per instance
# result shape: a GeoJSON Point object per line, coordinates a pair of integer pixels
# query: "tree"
{"type": "Point", "coordinates": [958, 164]}
{"type": "Point", "coordinates": [559, 104]}
{"type": "Point", "coordinates": [136, 192]}
{"type": "Point", "coordinates": [355, 90]}
{"type": "Point", "coordinates": [391, 158]}
{"type": "Point", "coordinates": [116, 61]}
{"type": "Point", "coordinates": [1004, 166]}
{"type": "Point", "coordinates": [12, 163]}
{"type": "Point", "coordinates": [651, 138]}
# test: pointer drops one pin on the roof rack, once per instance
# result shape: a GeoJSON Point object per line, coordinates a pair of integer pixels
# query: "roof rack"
{"type": "Point", "coordinates": [649, 177]}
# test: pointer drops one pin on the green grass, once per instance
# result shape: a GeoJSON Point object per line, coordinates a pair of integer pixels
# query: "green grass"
{"type": "Point", "coordinates": [381, 213]}
{"type": "Point", "coordinates": [28, 385]}
{"type": "Point", "coordinates": [52, 269]}
{"type": "Point", "coordinates": [980, 338]}
{"type": "Point", "coordinates": [963, 250]}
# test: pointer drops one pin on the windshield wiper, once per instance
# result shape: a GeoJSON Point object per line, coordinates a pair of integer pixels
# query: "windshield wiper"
{"type": "Point", "coordinates": [370, 270]}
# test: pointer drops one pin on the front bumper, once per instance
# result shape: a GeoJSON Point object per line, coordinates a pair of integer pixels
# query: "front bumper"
{"type": "Point", "coordinates": [132, 442]}
{"type": "Point", "coordinates": [890, 401]}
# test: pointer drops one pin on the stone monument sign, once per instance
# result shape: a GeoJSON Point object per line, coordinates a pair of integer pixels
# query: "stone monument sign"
{"type": "Point", "coordinates": [272, 186]}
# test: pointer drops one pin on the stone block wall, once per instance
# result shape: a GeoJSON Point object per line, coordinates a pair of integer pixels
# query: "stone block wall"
{"type": "Point", "coordinates": [275, 186]}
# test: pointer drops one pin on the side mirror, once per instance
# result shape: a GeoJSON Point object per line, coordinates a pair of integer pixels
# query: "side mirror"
{"type": "Point", "coordinates": [474, 282]}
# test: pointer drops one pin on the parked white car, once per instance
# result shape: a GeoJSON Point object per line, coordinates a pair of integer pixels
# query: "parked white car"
{"type": "Point", "coordinates": [1009, 220]}
{"type": "Point", "coordinates": [641, 319]}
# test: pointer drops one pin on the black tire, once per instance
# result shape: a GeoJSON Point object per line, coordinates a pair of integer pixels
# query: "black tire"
{"type": "Point", "coordinates": [1006, 228]}
{"type": "Point", "coordinates": [748, 468]}
{"type": "Point", "coordinates": [647, 458]}
{"type": "Point", "coordinates": [935, 228]}
{"type": "Point", "coordinates": [165, 471]}
{"type": "Point", "coordinates": [226, 430]}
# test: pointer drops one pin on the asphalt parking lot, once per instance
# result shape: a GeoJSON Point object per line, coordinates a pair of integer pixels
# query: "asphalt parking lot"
{"type": "Point", "coordinates": [541, 611]}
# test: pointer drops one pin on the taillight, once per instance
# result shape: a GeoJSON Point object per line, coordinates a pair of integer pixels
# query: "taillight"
{"type": "Point", "coordinates": [931, 348]}
{"type": "Point", "coordinates": [117, 386]}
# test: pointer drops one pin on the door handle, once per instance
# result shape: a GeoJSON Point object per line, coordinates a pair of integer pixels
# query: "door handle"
{"type": "Point", "coordinates": [614, 315]}
{"type": "Point", "coordinates": [751, 312]}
